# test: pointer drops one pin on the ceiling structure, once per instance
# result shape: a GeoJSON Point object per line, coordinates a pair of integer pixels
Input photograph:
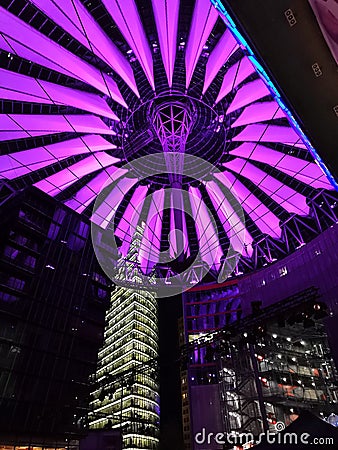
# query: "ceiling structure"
{"type": "Point", "coordinates": [91, 91]}
{"type": "Point", "coordinates": [293, 51]}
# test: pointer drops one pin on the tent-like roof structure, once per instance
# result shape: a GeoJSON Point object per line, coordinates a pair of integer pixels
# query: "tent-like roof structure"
{"type": "Point", "coordinates": [88, 88]}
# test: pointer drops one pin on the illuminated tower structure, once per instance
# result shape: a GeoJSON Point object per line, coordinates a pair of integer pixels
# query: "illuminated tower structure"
{"type": "Point", "coordinates": [126, 393]}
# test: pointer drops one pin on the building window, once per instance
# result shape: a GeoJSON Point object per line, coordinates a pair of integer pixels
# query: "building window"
{"type": "Point", "coordinates": [283, 271]}
{"type": "Point", "coordinates": [16, 283]}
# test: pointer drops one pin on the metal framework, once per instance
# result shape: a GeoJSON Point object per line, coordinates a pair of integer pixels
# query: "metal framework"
{"type": "Point", "coordinates": [182, 82]}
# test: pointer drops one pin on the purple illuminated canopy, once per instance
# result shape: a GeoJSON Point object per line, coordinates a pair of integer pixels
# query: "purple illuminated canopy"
{"type": "Point", "coordinates": [258, 112]}
{"type": "Point", "coordinates": [287, 197]}
{"type": "Point", "coordinates": [127, 18]}
{"type": "Point", "coordinates": [236, 74]}
{"type": "Point", "coordinates": [43, 51]}
{"type": "Point", "coordinates": [226, 46]}
{"type": "Point", "coordinates": [22, 88]}
{"type": "Point", "coordinates": [203, 21]}
{"type": "Point", "coordinates": [166, 17]}
{"type": "Point", "coordinates": [74, 18]}
{"type": "Point", "coordinates": [305, 171]}
{"type": "Point", "coordinates": [249, 93]}
{"type": "Point", "coordinates": [38, 125]}
{"type": "Point", "coordinates": [82, 103]}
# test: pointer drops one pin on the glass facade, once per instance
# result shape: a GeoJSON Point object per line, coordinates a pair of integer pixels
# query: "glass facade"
{"type": "Point", "coordinates": [207, 311]}
{"type": "Point", "coordinates": [126, 393]}
{"type": "Point", "coordinates": [53, 299]}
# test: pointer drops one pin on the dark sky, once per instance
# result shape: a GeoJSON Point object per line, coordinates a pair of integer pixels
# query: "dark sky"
{"type": "Point", "coordinates": [170, 310]}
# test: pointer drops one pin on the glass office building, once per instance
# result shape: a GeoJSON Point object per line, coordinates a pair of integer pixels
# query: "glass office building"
{"type": "Point", "coordinates": [53, 298]}
{"type": "Point", "coordinates": [126, 393]}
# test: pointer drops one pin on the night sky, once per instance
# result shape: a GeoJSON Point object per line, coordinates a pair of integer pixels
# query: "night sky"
{"type": "Point", "coordinates": [170, 384]}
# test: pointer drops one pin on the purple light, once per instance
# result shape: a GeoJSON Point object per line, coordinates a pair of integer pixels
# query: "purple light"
{"type": "Point", "coordinates": [20, 163]}
{"type": "Point", "coordinates": [305, 171]}
{"type": "Point", "coordinates": [38, 125]}
{"type": "Point", "coordinates": [232, 224]}
{"type": "Point", "coordinates": [166, 17]}
{"type": "Point", "coordinates": [266, 221]}
{"type": "Point", "coordinates": [269, 133]}
{"type": "Point", "coordinates": [127, 226]}
{"type": "Point", "coordinates": [234, 76]}
{"type": "Point", "coordinates": [165, 119]}
{"type": "Point", "coordinates": [287, 197]}
{"type": "Point", "coordinates": [10, 135]}
{"type": "Point", "coordinates": [74, 18]}
{"type": "Point", "coordinates": [151, 239]}
{"type": "Point", "coordinates": [218, 57]}
{"type": "Point", "coordinates": [173, 249]}
{"type": "Point", "coordinates": [105, 212]}
{"type": "Point", "coordinates": [66, 177]}
{"type": "Point", "coordinates": [210, 248]}
{"type": "Point", "coordinates": [19, 87]}
{"type": "Point", "coordinates": [39, 49]}
{"type": "Point", "coordinates": [4, 45]}
{"type": "Point", "coordinates": [126, 16]}
{"type": "Point", "coordinates": [15, 86]}
{"type": "Point", "coordinates": [178, 223]}
{"type": "Point", "coordinates": [86, 195]}
{"type": "Point", "coordinates": [203, 21]}
{"type": "Point", "coordinates": [249, 93]}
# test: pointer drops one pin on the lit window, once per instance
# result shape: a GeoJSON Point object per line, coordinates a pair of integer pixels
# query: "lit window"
{"type": "Point", "coordinates": [283, 271]}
